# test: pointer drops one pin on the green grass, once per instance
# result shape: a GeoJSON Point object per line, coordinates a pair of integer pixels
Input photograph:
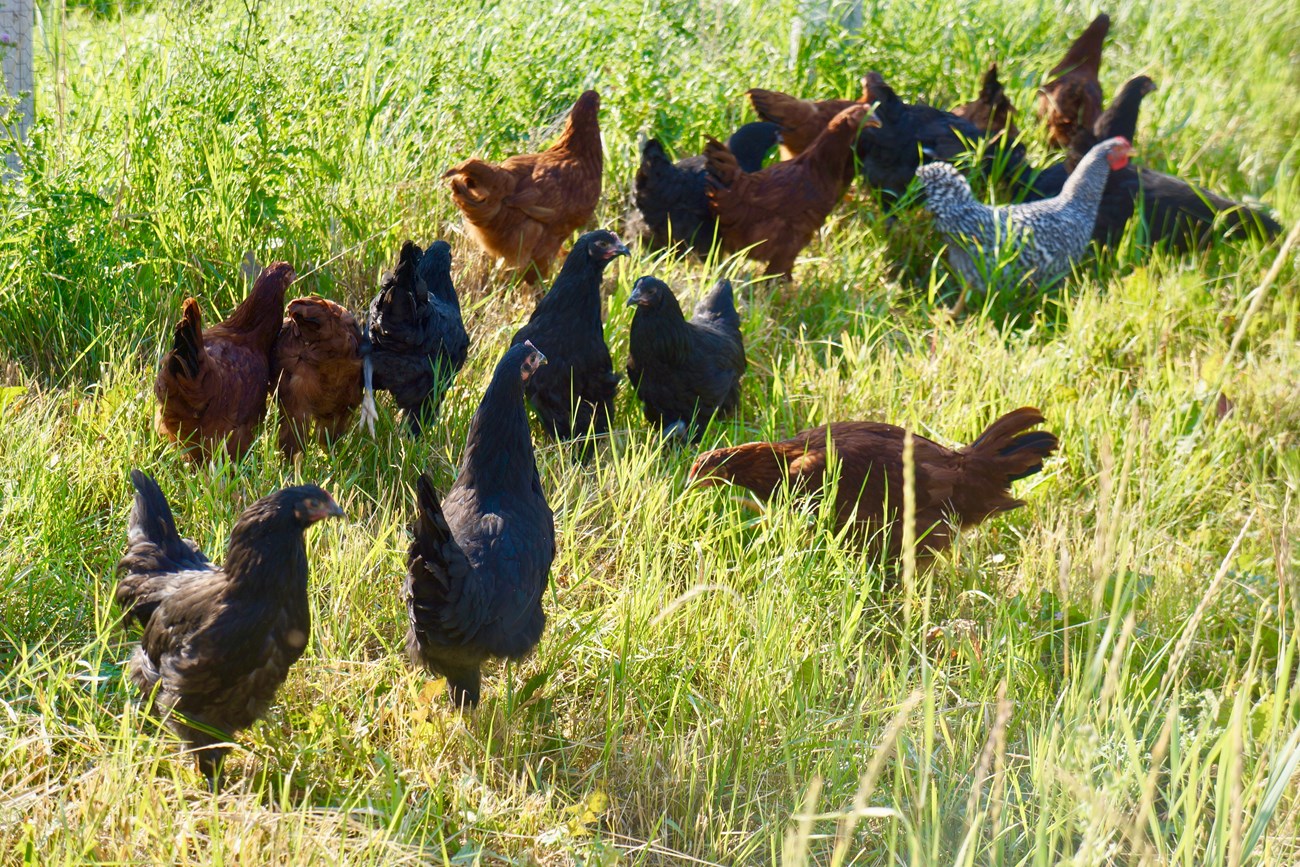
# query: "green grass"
{"type": "Point", "coordinates": [1105, 676]}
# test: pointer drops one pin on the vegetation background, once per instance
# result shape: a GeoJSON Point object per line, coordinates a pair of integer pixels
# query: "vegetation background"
{"type": "Point", "coordinates": [1105, 676]}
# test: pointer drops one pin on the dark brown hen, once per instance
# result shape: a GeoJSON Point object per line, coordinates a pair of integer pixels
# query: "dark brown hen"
{"type": "Point", "coordinates": [316, 368]}
{"type": "Point", "coordinates": [481, 557]}
{"type": "Point", "coordinates": [218, 641]}
{"type": "Point", "coordinates": [965, 485]}
{"type": "Point", "coordinates": [213, 385]}
{"type": "Point", "coordinates": [773, 214]}
{"type": "Point", "coordinates": [991, 111]}
{"type": "Point", "coordinates": [1073, 99]}
{"type": "Point", "coordinates": [800, 120]}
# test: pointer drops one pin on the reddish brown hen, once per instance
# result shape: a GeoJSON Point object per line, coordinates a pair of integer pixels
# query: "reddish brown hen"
{"type": "Point", "coordinates": [775, 212]}
{"type": "Point", "coordinates": [213, 385]}
{"type": "Point", "coordinates": [801, 120]}
{"type": "Point", "coordinates": [1072, 100]}
{"type": "Point", "coordinates": [965, 486]}
{"type": "Point", "coordinates": [316, 368]}
{"type": "Point", "coordinates": [992, 110]}
{"type": "Point", "coordinates": [523, 209]}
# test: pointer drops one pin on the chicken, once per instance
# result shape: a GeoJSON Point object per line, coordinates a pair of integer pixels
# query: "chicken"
{"type": "Point", "coordinates": [684, 372]}
{"type": "Point", "coordinates": [1046, 237]}
{"type": "Point", "coordinates": [908, 135]}
{"type": "Point", "coordinates": [967, 485]}
{"type": "Point", "coordinates": [800, 120]}
{"type": "Point", "coordinates": [418, 340]}
{"type": "Point", "coordinates": [992, 110]}
{"type": "Point", "coordinates": [1174, 212]}
{"type": "Point", "coordinates": [773, 214]}
{"type": "Point", "coordinates": [673, 199]}
{"type": "Point", "coordinates": [1073, 99]}
{"type": "Point", "coordinates": [523, 209]}
{"type": "Point", "coordinates": [316, 368]}
{"type": "Point", "coordinates": [217, 641]}
{"type": "Point", "coordinates": [574, 394]}
{"type": "Point", "coordinates": [479, 561]}
{"type": "Point", "coordinates": [213, 385]}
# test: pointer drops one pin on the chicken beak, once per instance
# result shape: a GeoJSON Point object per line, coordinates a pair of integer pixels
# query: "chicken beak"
{"type": "Point", "coordinates": [620, 250]}
{"type": "Point", "coordinates": [334, 510]}
{"type": "Point", "coordinates": [871, 121]}
{"type": "Point", "coordinates": [635, 298]}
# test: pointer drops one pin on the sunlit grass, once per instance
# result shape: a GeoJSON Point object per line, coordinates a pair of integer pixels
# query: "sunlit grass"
{"type": "Point", "coordinates": [1105, 676]}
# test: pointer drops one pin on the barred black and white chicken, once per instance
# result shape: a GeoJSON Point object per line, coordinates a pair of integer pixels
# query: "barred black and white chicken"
{"type": "Point", "coordinates": [1036, 242]}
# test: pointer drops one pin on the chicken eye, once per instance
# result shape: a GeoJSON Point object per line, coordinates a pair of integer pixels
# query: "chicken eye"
{"type": "Point", "coordinates": [312, 504]}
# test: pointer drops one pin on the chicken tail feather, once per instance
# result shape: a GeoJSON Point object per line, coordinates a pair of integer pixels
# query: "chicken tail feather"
{"type": "Point", "coordinates": [187, 347]}
{"type": "Point", "coordinates": [1015, 454]}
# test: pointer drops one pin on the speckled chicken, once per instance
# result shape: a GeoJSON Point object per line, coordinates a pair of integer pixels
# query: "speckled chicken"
{"type": "Point", "coordinates": [218, 641]}
{"type": "Point", "coordinates": [480, 560]}
{"type": "Point", "coordinates": [1047, 237]}
{"type": "Point", "coordinates": [418, 340]}
{"type": "Point", "coordinates": [684, 372]}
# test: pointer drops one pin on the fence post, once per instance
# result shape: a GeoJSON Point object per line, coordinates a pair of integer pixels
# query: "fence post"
{"type": "Point", "coordinates": [16, 50]}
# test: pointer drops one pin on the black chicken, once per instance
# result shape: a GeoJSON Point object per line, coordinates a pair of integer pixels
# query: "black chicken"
{"type": "Point", "coordinates": [889, 155]}
{"type": "Point", "coordinates": [684, 372]}
{"type": "Point", "coordinates": [574, 394]}
{"type": "Point", "coordinates": [418, 341]}
{"type": "Point", "coordinates": [1173, 210]}
{"type": "Point", "coordinates": [217, 642]}
{"type": "Point", "coordinates": [480, 560]}
{"type": "Point", "coordinates": [673, 197]}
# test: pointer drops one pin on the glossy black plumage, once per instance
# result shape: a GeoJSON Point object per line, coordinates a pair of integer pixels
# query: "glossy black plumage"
{"type": "Point", "coordinates": [685, 372]}
{"type": "Point", "coordinates": [479, 561]}
{"type": "Point", "coordinates": [1173, 211]}
{"type": "Point", "coordinates": [672, 198]}
{"type": "Point", "coordinates": [909, 134]}
{"type": "Point", "coordinates": [217, 641]}
{"type": "Point", "coordinates": [573, 394]}
{"type": "Point", "coordinates": [418, 340]}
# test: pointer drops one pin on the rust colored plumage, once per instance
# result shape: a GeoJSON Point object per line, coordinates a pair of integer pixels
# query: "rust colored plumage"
{"type": "Point", "coordinates": [523, 209]}
{"type": "Point", "coordinates": [1072, 100]}
{"type": "Point", "coordinates": [775, 212]}
{"type": "Point", "coordinates": [801, 120]}
{"type": "Point", "coordinates": [962, 487]}
{"type": "Point", "coordinates": [316, 368]}
{"type": "Point", "coordinates": [213, 385]}
{"type": "Point", "coordinates": [992, 110]}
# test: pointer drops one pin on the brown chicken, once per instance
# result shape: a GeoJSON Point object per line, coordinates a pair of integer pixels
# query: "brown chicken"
{"type": "Point", "coordinates": [772, 214]}
{"type": "Point", "coordinates": [213, 385]}
{"type": "Point", "coordinates": [992, 110]}
{"type": "Point", "coordinates": [316, 368]}
{"type": "Point", "coordinates": [967, 485]}
{"type": "Point", "coordinates": [801, 120]}
{"type": "Point", "coordinates": [523, 209]}
{"type": "Point", "coordinates": [1073, 99]}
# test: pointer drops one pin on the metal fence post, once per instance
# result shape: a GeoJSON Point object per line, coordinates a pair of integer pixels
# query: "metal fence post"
{"type": "Point", "coordinates": [16, 50]}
